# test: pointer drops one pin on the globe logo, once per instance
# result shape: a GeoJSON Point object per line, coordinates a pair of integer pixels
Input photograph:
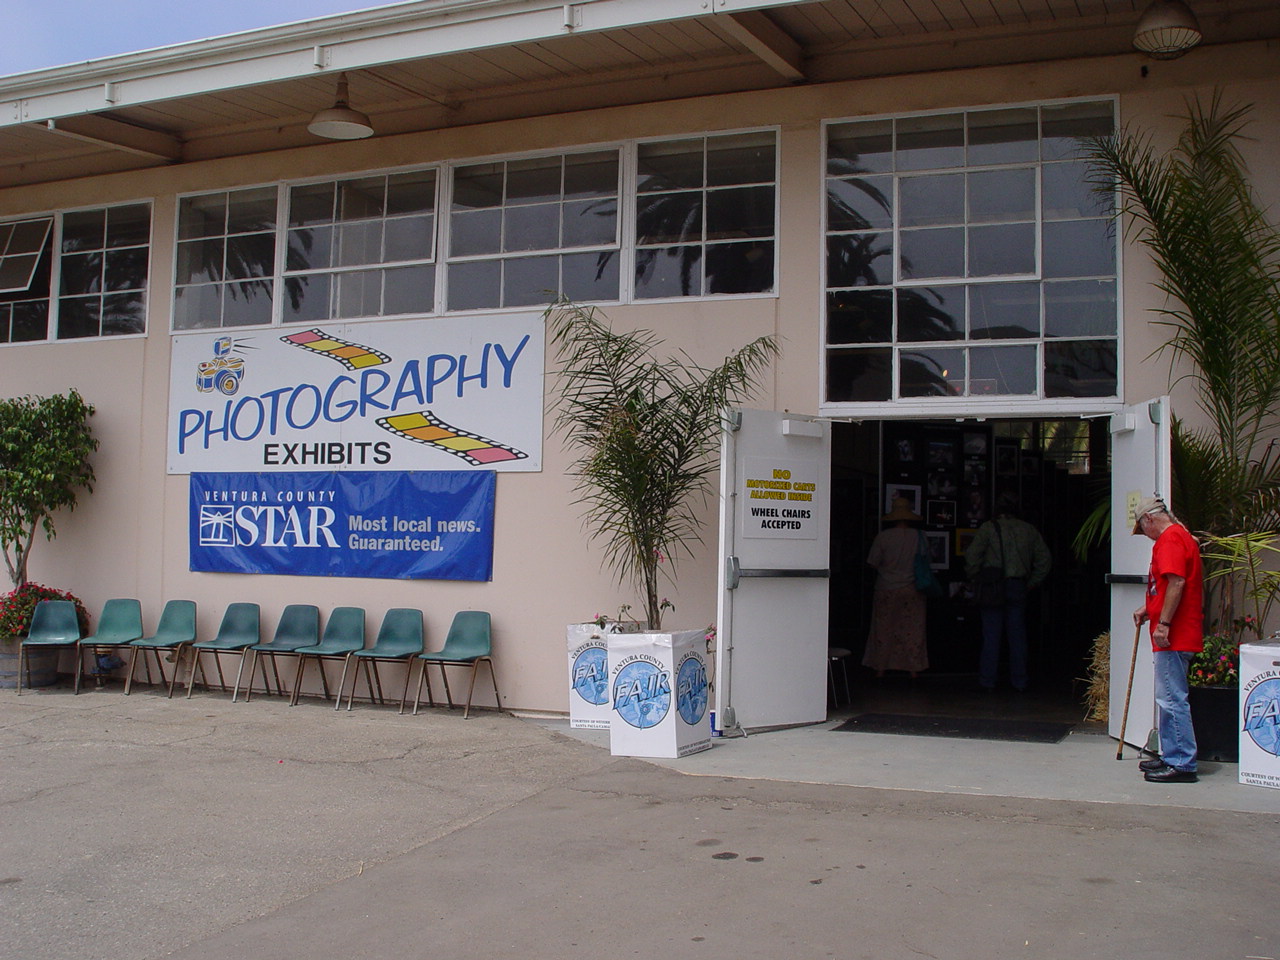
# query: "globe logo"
{"type": "Point", "coordinates": [691, 690]}
{"type": "Point", "coordinates": [642, 694]}
{"type": "Point", "coordinates": [591, 675]}
{"type": "Point", "coordinates": [1262, 715]}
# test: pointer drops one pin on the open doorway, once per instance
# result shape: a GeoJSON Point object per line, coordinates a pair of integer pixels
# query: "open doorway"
{"type": "Point", "coordinates": [953, 471]}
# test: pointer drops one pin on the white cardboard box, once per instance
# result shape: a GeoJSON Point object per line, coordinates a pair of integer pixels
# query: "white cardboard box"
{"type": "Point", "coordinates": [659, 692]}
{"type": "Point", "coordinates": [589, 706]}
{"type": "Point", "coordinates": [1260, 714]}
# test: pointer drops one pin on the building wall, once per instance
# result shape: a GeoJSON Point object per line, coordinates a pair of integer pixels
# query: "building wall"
{"type": "Point", "coordinates": [129, 538]}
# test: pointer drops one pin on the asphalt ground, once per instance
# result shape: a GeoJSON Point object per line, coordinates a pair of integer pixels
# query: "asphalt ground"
{"type": "Point", "coordinates": [140, 827]}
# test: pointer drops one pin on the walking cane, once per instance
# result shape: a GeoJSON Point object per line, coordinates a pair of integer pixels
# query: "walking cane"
{"type": "Point", "coordinates": [1128, 691]}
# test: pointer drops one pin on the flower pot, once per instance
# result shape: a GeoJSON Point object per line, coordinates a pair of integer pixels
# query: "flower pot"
{"type": "Point", "coordinates": [1214, 712]}
{"type": "Point", "coordinates": [43, 662]}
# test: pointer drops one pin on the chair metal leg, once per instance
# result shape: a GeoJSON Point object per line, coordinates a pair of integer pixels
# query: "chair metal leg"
{"type": "Point", "coordinates": [444, 675]}
{"type": "Point", "coordinates": [297, 679]}
{"type": "Point", "coordinates": [252, 656]}
{"type": "Point", "coordinates": [75, 687]}
{"type": "Point", "coordinates": [404, 696]}
{"type": "Point", "coordinates": [342, 681]}
{"type": "Point", "coordinates": [22, 658]}
{"type": "Point", "coordinates": [194, 663]}
{"type": "Point", "coordinates": [133, 659]}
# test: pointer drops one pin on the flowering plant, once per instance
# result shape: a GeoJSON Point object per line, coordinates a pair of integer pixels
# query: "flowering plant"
{"type": "Point", "coordinates": [1218, 665]}
{"type": "Point", "coordinates": [17, 606]}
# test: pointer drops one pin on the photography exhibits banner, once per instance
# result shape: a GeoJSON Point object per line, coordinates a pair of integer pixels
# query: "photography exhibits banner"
{"type": "Point", "coordinates": [420, 525]}
{"type": "Point", "coordinates": [447, 393]}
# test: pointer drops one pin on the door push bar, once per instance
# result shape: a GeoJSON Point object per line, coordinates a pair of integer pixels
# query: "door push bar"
{"type": "Point", "coordinates": [736, 573]}
{"type": "Point", "coordinates": [1137, 578]}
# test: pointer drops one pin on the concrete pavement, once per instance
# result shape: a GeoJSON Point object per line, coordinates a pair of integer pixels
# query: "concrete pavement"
{"type": "Point", "coordinates": [145, 828]}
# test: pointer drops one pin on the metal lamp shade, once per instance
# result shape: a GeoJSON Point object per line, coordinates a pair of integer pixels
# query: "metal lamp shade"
{"type": "Point", "coordinates": [1167, 30]}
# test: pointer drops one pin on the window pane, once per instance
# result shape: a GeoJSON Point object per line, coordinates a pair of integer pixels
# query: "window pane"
{"type": "Point", "coordinates": [126, 269]}
{"type": "Point", "coordinates": [478, 186]}
{"type": "Point", "coordinates": [311, 204]}
{"type": "Point", "coordinates": [129, 225]}
{"type": "Point", "coordinates": [1080, 248]}
{"type": "Point", "coordinates": [859, 376]}
{"type": "Point", "coordinates": [16, 272]}
{"type": "Point", "coordinates": [30, 321]}
{"type": "Point", "coordinates": [84, 230]}
{"type": "Point", "coordinates": [358, 294]}
{"type": "Point", "coordinates": [1085, 368]}
{"type": "Point", "coordinates": [197, 308]}
{"type": "Point", "coordinates": [740, 212]}
{"type": "Point", "coordinates": [1002, 136]}
{"type": "Point", "coordinates": [671, 164]}
{"type": "Point", "coordinates": [1002, 195]}
{"type": "Point", "coordinates": [669, 272]}
{"type": "Point", "coordinates": [930, 313]}
{"type": "Point", "coordinates": [931, 373]}
{"type": "Point", "coordinates": [741, 158]}
{"type": "Point", "coordinates": [362, 199]}
{"type": "Point", "coordinates": [534, 227]}
{"type": "Point", "coordinates": [591, 175]}
{"type": "Point", "coordinates": [307, 299]}
{"type": "Point", "coordinates": [1004, 311]}
{"type": "Point", "coordinates": [79, 317]}
{"type": "Point", "coordinates": [589, 223]}
{"type": "Point", "coordinates": [475, 285]}
{"type": "Point", "coordinates": [860, 147]}
{"type": "Point", "coordinates": [357, 244]}
{"type": "Point", "coordinates": [409, 238]}
{"type": "Point", "coordinates": [930, 142]}
{"type": "Point", "coordinates": [932, 253]}
{"type": "Point", "coordinates": [202, 216]}
{"type": "Point", "coordinates": [82, 273]}
{"type": "Point", "coordinates": [251, 210]}
{"type": "Point", "coordinates": [1062, 127]}
{"type": "Point", "coordinates": [1068, 194]}
{"type": "Point", "coordinates": [740, 267]}
{"type": "Point", "coordinates": [860, 203]}
{"type": "Point", "coordinates": [409, 193]}
{"type": "Point", "coordinates": [1002, 250]}
{"type": "Point", "coordinates": [1080, 308]}
{"type": "Point", "coordinates": [931, 201]}
{"type": "Point", "coordinates": [123, 313]}
{"type": "Point", "coordinates": [859, 259]}
{"type": "Point", "coordinates": [246, 304]}
{"type": "Point", "coordinates": [860, 316]}
{"type": "Point", "coordinates": [475, 232]}
{"type": "Point", "coordinates": [1002, 370]}
{"type": "Point", "coordinates": [668, 217]}
{"type": "Point", "coordinates": [589, 276]}
{"type": "Point", "coordinates": [409, 289]}
{"type": "Point", "coordinates": [533, 180]}
{"type": "Point", "coordinates": [310, 248]}
{"type": "Point", "coordinates": [200, 260]}
{"type": "Point", "coordinates": [251, 256]}
{"type": "Point", "coordinates": [530, 280]}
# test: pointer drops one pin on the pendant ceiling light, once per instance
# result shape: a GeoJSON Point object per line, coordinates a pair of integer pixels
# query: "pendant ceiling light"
{"type": "Point", "coordinates": [340, 122]}
{"type": "Point", "coordinates": [1167, 30]}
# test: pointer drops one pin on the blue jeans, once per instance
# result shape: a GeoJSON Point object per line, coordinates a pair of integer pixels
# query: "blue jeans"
{"type": "Point", "coordinates": [1011, 620]}
{"type": "Point", "coordinates": [1177, 738]}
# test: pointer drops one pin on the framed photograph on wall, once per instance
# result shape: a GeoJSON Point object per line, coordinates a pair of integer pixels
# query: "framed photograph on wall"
{"type": "Point", "coordinates": [906, 450]}
{"type": "Point", "coordinates": [938, 543]}
{"type": "Point", "coordinates": [909, 492]}
{"type": "Point", "coordinates": [940, 513]}
{"type": "Point", "coordinates": [1006, 459]}
{"type": "Point", "coordinates": [975, 444]}
{"type": "Point", "coordinates": [964, 537]}
{"type": "Point", "coordinates": [942, 453]}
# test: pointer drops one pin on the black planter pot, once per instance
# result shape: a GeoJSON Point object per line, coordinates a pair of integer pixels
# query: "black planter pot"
{"type": "Point", "coordinates": [1214, 716]}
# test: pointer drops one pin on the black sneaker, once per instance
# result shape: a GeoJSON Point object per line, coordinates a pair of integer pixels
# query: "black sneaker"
{"type": "Point", "coordinates": [1170, 775]}
{"type": "Point", "coordinates": [1147, 766]}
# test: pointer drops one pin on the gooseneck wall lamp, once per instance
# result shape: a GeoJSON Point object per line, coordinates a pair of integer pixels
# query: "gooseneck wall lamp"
{"type": "Point", "coordinates": [1167, 29]}
{"type": "Point", "coordinates": [340, 122]}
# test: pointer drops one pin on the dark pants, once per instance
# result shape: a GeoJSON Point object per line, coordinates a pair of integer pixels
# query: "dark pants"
{"type": "Point", "coordinates": [1009, 621]}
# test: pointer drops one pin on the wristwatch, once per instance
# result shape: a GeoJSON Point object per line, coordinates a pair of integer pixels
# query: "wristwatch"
{"type": "Point", "coordinates": [1165, 623]}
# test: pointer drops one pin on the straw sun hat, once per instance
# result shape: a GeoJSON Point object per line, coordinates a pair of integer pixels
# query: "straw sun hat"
{"type": "Point", "coordinates": [901, 511]}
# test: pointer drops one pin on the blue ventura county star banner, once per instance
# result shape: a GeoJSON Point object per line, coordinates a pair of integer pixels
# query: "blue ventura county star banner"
{"type": "Point", "coordinates": [416, 525]}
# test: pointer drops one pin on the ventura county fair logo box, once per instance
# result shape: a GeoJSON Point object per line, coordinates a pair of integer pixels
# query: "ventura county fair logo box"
{"type": "Point", "coordinates": [1260, 713]}
{"type": "Point", "coordinates": [659, 693]}
{"type": "Point", "coordinates": [426, 394]}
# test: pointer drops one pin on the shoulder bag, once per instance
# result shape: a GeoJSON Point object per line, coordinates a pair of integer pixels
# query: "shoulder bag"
{"type": "Point", "coordinates": [926, 582]}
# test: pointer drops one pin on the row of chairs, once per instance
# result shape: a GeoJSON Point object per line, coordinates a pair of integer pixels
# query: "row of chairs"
{"type": "Point", "coordinates": [400, 638]}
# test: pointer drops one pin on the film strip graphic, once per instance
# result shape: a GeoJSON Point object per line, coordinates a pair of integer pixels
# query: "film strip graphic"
{"type": "Point", "coordinates": [426, 428]}
{"type": "Point", "coordinates": [353, 356]}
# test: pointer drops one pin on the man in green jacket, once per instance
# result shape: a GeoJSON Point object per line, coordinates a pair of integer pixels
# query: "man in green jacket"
{"type": "Point", "coordinates": [1016, 548]}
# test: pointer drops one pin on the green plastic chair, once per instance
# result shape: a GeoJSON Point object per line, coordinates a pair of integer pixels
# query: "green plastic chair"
{"type": "Point", "coordinates": [299, 626]}
{"type": "Point", "coordinates": [399, 638]}
{"type": "Point", "coordinates": [239, 630]}
{"type": "Point", "coordinates": [469, 643]}
{"type": "Point", "coordinates": [176, 629]}
{"type": "Point", "coordinates": [119, 625]}
{"type": "Point", "coordinates": [53, 624]}
{"type": "Point", "coordinates": [343, 636]}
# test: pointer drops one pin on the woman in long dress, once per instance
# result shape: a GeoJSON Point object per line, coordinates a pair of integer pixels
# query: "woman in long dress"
{"type": "Point", "coordinates": [896, 640]}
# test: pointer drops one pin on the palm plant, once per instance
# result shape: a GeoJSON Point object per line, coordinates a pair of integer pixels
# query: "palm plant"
{"type": "Point", "coordinates": [647, 431]}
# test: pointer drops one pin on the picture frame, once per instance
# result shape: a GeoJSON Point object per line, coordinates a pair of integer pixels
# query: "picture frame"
{"type": "Point", "coordinates": [942, 453]}
{"type": "Point", "coordinates": [975, 473]}
{"type": "Point", "coordinates": [975, 444]}
{"type": "Point", "coordinates": [964, 537]}
{"type": "Point", "coordinates": [1007, 459]}
{"type": "Point", "coordinates": [938, 544]}
{"type": "Point", "coordinates": [905, 450]}
{"type": "Point", "coordinates": [942, 486]}
{"type": "Point", "coordinates": [940, 513]}
{"type": "Point", "coordinates": [909, 491]}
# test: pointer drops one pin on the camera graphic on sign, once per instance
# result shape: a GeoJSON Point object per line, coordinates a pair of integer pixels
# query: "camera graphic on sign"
{"type": "Point", "coordinates": [223, 373]}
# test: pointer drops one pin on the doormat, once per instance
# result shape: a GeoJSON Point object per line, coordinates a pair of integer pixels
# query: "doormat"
{"type": "Point", "coordinates": [962, 728]}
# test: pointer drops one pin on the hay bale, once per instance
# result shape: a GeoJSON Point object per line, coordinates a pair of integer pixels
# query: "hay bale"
{"type": "Point", "coordinates": [1097, 692]}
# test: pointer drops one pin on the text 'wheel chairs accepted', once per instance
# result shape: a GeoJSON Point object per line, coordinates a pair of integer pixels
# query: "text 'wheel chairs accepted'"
{"type": "Point", "coordinates": [469, 643]}
{"type": "Point", "coordinates": [343, 636]}
{"type": "Point", "coordinates": [53, 624]}
{"type": "Point", "coordinates": [176, 629]}
{"type": "Point", "coordinates": [399, 638]}
{"type": "Point", "coordinates": [299, 626]}
{"type": "Point", "coordinates": [239, 630]}
{"type": "Point", "coordinates": [119, 625]}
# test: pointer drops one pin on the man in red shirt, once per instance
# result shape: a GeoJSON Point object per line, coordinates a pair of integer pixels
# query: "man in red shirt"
{"type": "Point", "coordinates": [1175, 608]}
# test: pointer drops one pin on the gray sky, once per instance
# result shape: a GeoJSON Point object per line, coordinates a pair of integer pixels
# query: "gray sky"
{"type": "Point", "coordinates": [50, 33]}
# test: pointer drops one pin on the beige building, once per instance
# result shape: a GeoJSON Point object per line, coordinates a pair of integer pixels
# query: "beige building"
{"type": "Point", "coordinates": [894, 190]}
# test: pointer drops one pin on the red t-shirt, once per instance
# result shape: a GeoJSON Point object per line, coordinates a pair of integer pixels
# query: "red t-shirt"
{"type": "Point", "coordinates": [1176, 552]}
